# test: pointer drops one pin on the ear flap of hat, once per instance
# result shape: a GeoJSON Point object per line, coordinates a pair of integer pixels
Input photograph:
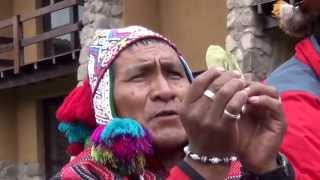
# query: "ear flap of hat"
{"type": "Point", "coordinates": [77, 106]}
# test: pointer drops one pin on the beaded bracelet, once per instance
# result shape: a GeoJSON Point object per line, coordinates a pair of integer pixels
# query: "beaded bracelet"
{"type": "Point", "coordinates": [208, 160]}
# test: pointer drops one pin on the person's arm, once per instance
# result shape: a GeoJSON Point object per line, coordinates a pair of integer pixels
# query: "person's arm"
{"type": "Point", "coordinates": [302, 142]}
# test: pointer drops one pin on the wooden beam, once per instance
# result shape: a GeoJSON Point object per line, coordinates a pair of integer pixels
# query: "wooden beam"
{"type": "Point", "coordinates": [259, 9]}
{"type": "Point", "coordinates": [57, 56]}
{"type": "Point", "coordinates": [264, 2]}
{"type": "Point", "coordinates": [51, 34]}
{"type": "Point", "coordinates": [270, 22]}
{"type": "Point", "coordinates": [39, 75]}
{"type": "Point", "coordinates": [298, 2]}
{"type": "Point", "coordinates": [259, 2]}
{"type": "Point", "coordinates": [17, 36]}
{"type": "Point", "coordinates": [49, 9]}
{"type": "Point", "coordinates": [6, 62]}
{"type": "Point", "coordinates": [5, 40]}
{"type": "Point", "coordinates": [6, 47]}
{"type": "Point", "coordinates": [75, 36]}
{"type": "Point", "coordinates": [5, 23]}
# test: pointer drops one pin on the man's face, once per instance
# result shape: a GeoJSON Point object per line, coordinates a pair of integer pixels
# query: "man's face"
{"type": "Point", "coordinates": [150, 84]}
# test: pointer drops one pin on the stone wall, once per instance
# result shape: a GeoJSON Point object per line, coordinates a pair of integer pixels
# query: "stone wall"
{"type": "Point", "coordinates": [8, 170]}
{"type": "Point", "coordinates": [97, 14]}
{"type": "Point", "coordinates": [247, 40]}
{"type": "Point", "coordinates": [255, 48]}
{"type": "Point", "coordinates": [25, 171]}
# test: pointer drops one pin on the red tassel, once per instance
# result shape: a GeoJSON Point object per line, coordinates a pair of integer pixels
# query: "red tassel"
{"type": "Point", "coordinates": [75, 149]}
{"type": "Point", "coordinates": [77, 106]}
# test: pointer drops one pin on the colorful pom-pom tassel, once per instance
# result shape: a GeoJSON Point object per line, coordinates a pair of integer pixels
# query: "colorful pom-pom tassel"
{"type": "Point", "coordinates": [75, 149]}
{"type": "Point", "coordinates": [122, 146]}
{"type": "Point", "coordinates": [75, 132]}
{"type": "Point", "coordinates": [103, 156]}
{"type": "Point", "coordinates": [95, 136]}
{"type": "Point", "coordinates": [120, 127]}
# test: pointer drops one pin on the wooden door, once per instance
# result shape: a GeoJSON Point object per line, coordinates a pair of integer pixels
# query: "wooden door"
{"type": "Point", "coordinates": [55, 142]}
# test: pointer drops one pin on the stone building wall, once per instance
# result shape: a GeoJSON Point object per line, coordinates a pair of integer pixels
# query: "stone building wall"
{"type": "Point", "coordinates": [247, 39]}
{"type": "Point", "coordinates": [97, 14]}
{"type": "Point", "coordinates": [258, 49]}
{"type": "Point", "coordinates": [8, 170]}
{"type": "Point", "coordinates": [26, 171]}
{"type": "Point", "coordinates": [255, 48]}
{"type": "Point", "coordinates": [171, 18]}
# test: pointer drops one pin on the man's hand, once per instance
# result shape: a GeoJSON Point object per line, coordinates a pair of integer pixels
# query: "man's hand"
{"type": "Point", "coordinates": [210, 132]}
{"type": "Point", "coordinates": [261, 129]}
{"type": "Point", "coordinates": [255, 138]}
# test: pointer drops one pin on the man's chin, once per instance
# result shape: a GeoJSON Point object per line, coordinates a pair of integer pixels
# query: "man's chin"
{"type": "Point", "coordinates": [169, 141]}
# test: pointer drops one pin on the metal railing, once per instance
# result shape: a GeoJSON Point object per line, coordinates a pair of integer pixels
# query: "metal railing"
{"type": "Point", "coordinates": [18, 42]}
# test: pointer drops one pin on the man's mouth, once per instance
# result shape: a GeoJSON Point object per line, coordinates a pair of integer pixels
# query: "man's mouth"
{"type": "Point", "coordinates": [166, 113]}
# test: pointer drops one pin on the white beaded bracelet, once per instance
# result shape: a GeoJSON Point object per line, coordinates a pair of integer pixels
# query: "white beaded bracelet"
{"type": "Point", "coordinates": [208, 160]}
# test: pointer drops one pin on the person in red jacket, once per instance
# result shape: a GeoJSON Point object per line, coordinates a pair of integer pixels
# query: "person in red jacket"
{"type": "Point", "coordinates": [298, 82]}
{"type": "Point", "coordinates": [155, 121]}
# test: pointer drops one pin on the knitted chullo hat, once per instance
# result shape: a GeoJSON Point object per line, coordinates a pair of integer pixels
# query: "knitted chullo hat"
{"type": "Point", "coordinates": [104, 49]}
{"type": "Point", "coordinates": [121, 144]}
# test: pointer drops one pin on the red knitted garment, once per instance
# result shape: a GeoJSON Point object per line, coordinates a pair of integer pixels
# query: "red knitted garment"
{"type": "Point", "coordinates": [77, 106]}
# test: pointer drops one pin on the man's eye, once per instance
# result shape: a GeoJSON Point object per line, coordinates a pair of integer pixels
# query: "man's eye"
{"type": "Point", "coordinates": [137, 77]}
{"type": "Point", "coordinates": [176, 75]}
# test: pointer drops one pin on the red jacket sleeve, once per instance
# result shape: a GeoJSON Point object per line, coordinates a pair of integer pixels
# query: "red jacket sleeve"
{"type": "Point", "coordinates": [302, 142]}
{"type": "Point", "coordinates": [183, 171]}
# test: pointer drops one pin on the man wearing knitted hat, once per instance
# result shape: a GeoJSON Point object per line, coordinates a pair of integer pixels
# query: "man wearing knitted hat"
{"type": "Point", "coordinates": [298, 83]}
{"type": "Point", "coordinates": [155, 121]}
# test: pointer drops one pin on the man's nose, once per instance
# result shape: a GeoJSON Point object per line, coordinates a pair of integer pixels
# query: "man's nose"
{"type": "Point", "coordinates": [162, 90]}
